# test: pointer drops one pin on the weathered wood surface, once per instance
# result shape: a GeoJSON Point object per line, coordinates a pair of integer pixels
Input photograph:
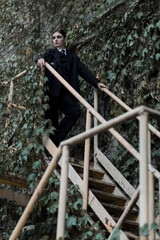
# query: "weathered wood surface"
{"type": "Point", "coordinates": [11, 196]}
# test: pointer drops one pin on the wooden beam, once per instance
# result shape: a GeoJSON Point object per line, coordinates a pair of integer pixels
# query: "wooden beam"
{"type": "Point", "coordinates": [17, 181]}
{"type": "Point", "coordinates": [15, 106]}
{"type": "Point", "coordinates": [18, 198]}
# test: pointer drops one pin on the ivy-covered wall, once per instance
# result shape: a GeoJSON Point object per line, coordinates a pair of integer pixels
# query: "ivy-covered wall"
{"type": "Point", "coordinates": [118, 40]}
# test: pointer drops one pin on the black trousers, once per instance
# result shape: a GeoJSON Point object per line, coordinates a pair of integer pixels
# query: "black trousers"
{"type": "Point", "coordinates": [66, 104]}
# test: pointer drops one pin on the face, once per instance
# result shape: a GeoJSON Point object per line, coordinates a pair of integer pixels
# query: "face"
{"type": "Point", "coordinates": [59, 40]}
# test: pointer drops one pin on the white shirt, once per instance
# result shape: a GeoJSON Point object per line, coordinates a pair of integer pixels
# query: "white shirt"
{"type": "Point", "coordinates": [60, 50]}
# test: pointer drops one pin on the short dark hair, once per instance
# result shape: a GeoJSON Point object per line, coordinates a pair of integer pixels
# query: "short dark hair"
{"type": "Point", "coordinates": [60, 30]}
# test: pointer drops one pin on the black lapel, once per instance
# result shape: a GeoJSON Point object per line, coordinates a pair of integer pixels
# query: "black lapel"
{"type": "Point", "coordinates": [69, 58]}
{"type": "Point", "coordinates": [57, 56]}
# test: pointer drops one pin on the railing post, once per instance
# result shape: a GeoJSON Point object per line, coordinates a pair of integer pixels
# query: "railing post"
{"type": "Point", "coordinates": [95, 121]}
{"type": "Point", "coordinates": [151, 206]}
{"type": "Point", "coordinates": [151, 193]}
{"type": "Point", "coordinates": [63, 193]}
{"type": "Point", "coordinates": [143, 125]}
{"type": "Point", "coordinates": [86, 163]}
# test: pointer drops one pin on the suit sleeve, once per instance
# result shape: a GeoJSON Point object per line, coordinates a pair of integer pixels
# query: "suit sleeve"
{"type": "Point", "coordinates": [46, 55]}
{"type": "Point", "coordinates": [86, 74]}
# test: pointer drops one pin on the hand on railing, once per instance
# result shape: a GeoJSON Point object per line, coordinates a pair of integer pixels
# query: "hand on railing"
{"type": "Point", "coordinates": [41, 62]}
{"type": "Point", "coordinates": [101, 86]}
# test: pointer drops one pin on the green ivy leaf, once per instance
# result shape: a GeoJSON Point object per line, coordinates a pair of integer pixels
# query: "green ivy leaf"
{"type": "Point", "coordinates": [37, 164]}
{"type": "Point", "coordinates": [71, 222]}
{"type": "Point", "coordinates": [144, 52]}
{"type": "Point", "coordinates": [150, 26]}
{"type": "Point", "coordinates": [99, 236]}
{"type": "Point", "coordinates": [157, 56]}
{"type": "Point", "coordinates": [134, 53]}
{"type": "Point", "coordinates": [158, 24]}
{"type": "Point", "coordinates": [154, 226]}
{"type": "Point", "coordinates": [154, 37]}
{"type": "Point", "coordinates": [25, 152]}
{"type": "Point", "coordinates": [31, 177]}
{"type": "Point", "coordinates": [78, 204]}
{"type": "Point", "coordinates": [136, 35]}
{"type": "Point", "coordinates": [139, 15]}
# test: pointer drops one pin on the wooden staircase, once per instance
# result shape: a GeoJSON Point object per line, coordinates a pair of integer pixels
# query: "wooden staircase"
{"type": "Point", "coordinates": [106, 202]}
{"type": "Point", "coordinates": [109, 192]}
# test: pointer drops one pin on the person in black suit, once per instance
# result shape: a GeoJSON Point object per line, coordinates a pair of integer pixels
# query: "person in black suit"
{"type": "Point", "coordinates": [69, 66]}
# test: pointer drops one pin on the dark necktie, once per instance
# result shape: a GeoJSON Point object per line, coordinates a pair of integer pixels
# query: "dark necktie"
{"type": "Point", "coordinates": [63, 51]}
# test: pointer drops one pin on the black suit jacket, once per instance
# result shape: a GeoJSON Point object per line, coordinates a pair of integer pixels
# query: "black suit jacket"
{"type": "Point", "coordinates": [75, 68]}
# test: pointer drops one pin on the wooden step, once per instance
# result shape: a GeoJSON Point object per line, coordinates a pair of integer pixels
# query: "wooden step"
{"type": "Point", "coordinates": [93, 173]}
{"type": "Point", "coordinates": [109, 198]}
{"type": "Point", "coordinates": [100, 184]}
{"type": "Point", "coordinates": [127, 224]}
{"type": "Point", "coordinates": [117, 211]}
{"type": "Point", "coordinates": [130, 235]}
{"type": "Point", "coordinates": [130, 228]}
{"type": "Point", "coordinates": [131, 225]}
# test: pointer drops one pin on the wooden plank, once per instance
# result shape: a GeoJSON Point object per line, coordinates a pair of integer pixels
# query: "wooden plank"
{"type": "Point", "coordinates": [107, 178]}
{"type": "Point", "coordinates": [94, 173]}
{"type": "Point", "coordinates": [108, 197]}
{"type": "Point", "coordinates": [117, 211]}
{"type": "Point", "coordinates": [51, 147]}
{"type": "Point", "coordinates": [100, 184]}
{"type": "Point", "coordinates": [113, 171]}
{"type": "Point", "coordinates": [128, 224]}
{"type": "Point", "coordinates": [17, 181]}
{"type": "Point", "coordinates": [18, 198]}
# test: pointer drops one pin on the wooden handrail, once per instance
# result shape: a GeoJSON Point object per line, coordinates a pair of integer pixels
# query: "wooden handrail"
{"type": "Point", "coordinates": [19, 75]}
{"type": "Point", "coordinates": [108, 124]}
{"type": "Point", "coordinates": [125, 106]}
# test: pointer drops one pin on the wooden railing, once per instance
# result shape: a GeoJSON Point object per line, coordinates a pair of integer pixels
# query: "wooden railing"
{"type": "Point", "coordinates": [145, 168]}
{"type": "Point", "coordinates": [64, 148]}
